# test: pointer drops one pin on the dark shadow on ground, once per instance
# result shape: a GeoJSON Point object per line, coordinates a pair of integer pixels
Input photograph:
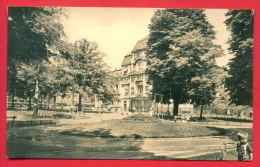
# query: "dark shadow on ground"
{"type": "Point", "coordinates": [101, 132]}
{"type": "Point", "coordinates": [97, 144]}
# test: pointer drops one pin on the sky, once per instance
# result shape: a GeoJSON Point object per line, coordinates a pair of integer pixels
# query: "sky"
{"type": "Point", "coordinates": [116, 30]}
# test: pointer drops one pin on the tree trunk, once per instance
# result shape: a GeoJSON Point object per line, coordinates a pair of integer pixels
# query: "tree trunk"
{"type": "Point", "coordinates": [36, 98]}
{"type": "Point", "coordinates": [30, 103]}
{"type": "Point", "coordinates": [48, 102]}
{"type": "Point", "coordinates": [72, 98]}
{"type": "Point", "coordinates": [176, 107]}
{"type": "Point", "coordinates": [79, 104]}
{"type": "Point", "coordinates": [12, 99]}
{"type": "Point", "coordinates": [40, 102]}
{"type": "Point", "coordinates": [36, 93]}
{"type": "Point", "coordinates": [54, 100]}
{"type": "Point", "coordinates": [157, 109]}
{"type": "Point", "coordinates": [12, 84]}
{"type": "Point", "coordinates": [201, 111]}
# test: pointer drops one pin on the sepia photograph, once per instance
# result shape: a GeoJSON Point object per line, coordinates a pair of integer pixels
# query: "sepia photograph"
{"type": "Point", "coordinates": [129, 83]}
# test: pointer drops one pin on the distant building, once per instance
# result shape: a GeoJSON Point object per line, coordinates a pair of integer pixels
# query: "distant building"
{"type": "Point", "coordinates": [134, 93]}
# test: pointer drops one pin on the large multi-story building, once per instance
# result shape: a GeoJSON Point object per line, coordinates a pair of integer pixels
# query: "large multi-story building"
{"type": "Point", "coordinates": [134, 93]}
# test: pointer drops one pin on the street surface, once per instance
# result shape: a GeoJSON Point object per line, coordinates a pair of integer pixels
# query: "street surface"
{"type": "Point", "coordinates": [64, 146]}
{"type": "Point", "coordinates": [44, 142]}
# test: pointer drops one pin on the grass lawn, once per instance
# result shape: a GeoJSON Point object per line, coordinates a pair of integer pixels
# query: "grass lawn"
{"type": "Point", "coordinates": [138, 126]}
{"type": "Point", "coordinates": [142, 129]}
{"type": "Point", "coordinates": [149, 129]}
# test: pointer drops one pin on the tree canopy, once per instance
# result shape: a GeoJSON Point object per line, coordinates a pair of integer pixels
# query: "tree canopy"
{"type": "Point", "coordinates": [181, 56]}
{"type": "Point", "coordinates": [31, 33]}
{"type": "Point", "coordinates": [86, 72]}
{"type": "Point", "coordinates": [239, 84]}
{"type": "Point", "coordinates": [31, 30]}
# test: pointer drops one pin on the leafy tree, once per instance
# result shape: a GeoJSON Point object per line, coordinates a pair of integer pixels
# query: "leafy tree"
{"type": "Point", "coordinates": [106, 93]}
{"type": "Point", "coordinates": [195, 59]}
{"type": "Point", "coordinates": [221, 102]}
{"type": "Point", "coordinates": [31, 31]}
{"type": "Point", "coordinates": [88, 71]}
{"type": "Point", "coordinates": [51, 79]}
{"type": "Point", "coordinates": [25, 80]}
{"type": "Point", "coordinates": [179, 45]}
{"type": "Point", "coordinates": [239, 84]}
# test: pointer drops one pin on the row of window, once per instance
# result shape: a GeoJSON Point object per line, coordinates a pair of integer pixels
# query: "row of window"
{"type": "Point", "coordinates": [140, 65]}
{"type": "Point", "coordinates": [138, 77]}
{"type": "Point", "coordinates": [140, 90]}
{"type": "Point", "coordinates": [136, 54]}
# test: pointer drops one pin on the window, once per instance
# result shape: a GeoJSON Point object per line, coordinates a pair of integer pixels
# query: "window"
{"type": "Point", "coordinates": [125, 71]}
{"type": "Point", "coordinates": [139, 77]}
{"type": "Point", "coordinates": [140, 89]}
{"type": "Point", "coordinates": [140, 65]}
{"type": "Point", "coordinates": [147, 89]}
{"type": "Point", "coordinates": [132, 79]}
{"type": "Point", "coordinates": [125, 105]}
{"type": "Point", "coordinates": [146, 77]}
{"type": "Point", "coordinates": [132, 91]}
{"type": "Point", "coordinates": [125, 80]}
{"type": "Point", "coordinates": [126, 92]}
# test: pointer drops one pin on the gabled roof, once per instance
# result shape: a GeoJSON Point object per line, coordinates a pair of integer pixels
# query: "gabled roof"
{"type": "Point", "coordinates": [140, 45]}
{"type": "Point", "coordinates": [127, 60]}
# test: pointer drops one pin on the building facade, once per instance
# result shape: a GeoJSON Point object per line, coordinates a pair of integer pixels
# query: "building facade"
{"type": "Point", "coordinates": [134, 89]}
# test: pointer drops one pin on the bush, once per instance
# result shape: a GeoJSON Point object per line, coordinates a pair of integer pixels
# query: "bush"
{"type": "Point", "coordinates": [198, 119]}
{"type": "Point", "coordinates": [234, 110]}
{"type": "Point", "coordinates": [59, 115]}
{"type": "Point", "coordinates": [141, 117]}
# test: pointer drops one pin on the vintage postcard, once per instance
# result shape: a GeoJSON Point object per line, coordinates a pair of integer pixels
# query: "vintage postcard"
{"type": "Point", "coordinates": [130, 83]}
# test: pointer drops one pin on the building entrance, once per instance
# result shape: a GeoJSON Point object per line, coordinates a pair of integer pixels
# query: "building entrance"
{"type": "Point", "coordinates": [125, 105]}
{"type": "Point", "coordinates": [140, 105]}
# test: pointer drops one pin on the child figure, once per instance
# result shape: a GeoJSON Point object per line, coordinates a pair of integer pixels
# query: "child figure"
{"type": "Point", "coordinates": [244, 149]}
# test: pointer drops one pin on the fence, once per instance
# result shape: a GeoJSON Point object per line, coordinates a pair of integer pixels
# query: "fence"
{"type": "Point", "coordinates": [227, 152]}
{"type": "Point", "coordinates": [29, 123]}
{"type": "Point", "coordinates": [223, 123]}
